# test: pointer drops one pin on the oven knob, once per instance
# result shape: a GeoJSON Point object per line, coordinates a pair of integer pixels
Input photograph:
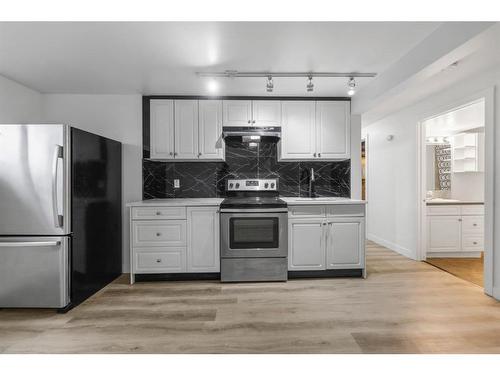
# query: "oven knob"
{"type": "Point", "coordinates": [266, 185]}
{"type": "Point", "coordinates": [231, 185]}
{"type": "Point", "coordinates": [237, 185]}
{"type": "Point", "coordinates": [272, 185]}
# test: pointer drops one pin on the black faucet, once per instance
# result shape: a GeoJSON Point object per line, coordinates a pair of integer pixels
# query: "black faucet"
{"type": "Point", "coordinates": [312, 184]}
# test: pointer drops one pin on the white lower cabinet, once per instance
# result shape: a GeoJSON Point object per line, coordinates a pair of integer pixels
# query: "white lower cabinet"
{"type": "Point", "coordinates": [176, 245]}
{"type": "Point", "coordinates": [455, 230]}
{"type": "Point", "coordinates": [344, 244]}
{"type": "Point", "coordinates": [444, 233]}
{"type": "Point", "coordinates": [306, 245]}
{"type": "Point", "coordinates": [203, 239]}
{"type": "Point", "coordinates": [326, 242]}
{"type": "Point", "coordinates": [154, 260]}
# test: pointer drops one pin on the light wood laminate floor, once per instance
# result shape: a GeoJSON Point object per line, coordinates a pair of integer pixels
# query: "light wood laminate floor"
{"type": "Point", "coordinates": [403, 306]}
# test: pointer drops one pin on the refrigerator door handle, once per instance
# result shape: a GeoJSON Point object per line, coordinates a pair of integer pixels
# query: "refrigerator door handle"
{"type": "Point", "coordinates": [58, 154]}
{"type": "Point", "coordinates": [31, 244]}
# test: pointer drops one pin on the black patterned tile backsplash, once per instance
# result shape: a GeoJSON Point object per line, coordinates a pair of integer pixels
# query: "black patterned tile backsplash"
{"type": "Point", "coordinates": [206, 179]}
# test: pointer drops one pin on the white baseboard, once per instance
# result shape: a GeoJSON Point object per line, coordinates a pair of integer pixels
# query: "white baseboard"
{"type": "Point", "coordinates": [392, 246]}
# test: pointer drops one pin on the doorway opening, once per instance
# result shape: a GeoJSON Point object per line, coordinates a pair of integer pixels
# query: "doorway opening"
{"type": "Point", "coordinates": [452, 216]}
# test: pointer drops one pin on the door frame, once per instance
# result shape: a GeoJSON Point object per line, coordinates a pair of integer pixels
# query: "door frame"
{"type": "Point", "coordinates": [489, 200]}
{"type": "Point", "coordinates": [366, 139]}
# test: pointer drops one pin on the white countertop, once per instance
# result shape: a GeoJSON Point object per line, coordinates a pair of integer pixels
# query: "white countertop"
{"type": "Point", "coordinates": [293, 201]}
{"type": "Point", "coordinates": [177, 202]}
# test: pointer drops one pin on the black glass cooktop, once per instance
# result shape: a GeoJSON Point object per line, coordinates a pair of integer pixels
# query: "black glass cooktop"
{"type": "Point", "coordinates": [253, 202]}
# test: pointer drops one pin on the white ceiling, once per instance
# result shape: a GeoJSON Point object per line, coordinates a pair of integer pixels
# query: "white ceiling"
{"type": "Point", "coordinates": [461, 119]}
{"type": "Point", "coordinates": [162, 58]}
{"type": "Point", "coordinates": [476, 55]}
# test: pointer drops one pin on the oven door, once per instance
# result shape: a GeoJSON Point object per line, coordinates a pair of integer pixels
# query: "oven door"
{"type": "Point", "coordinates": [253, 234]}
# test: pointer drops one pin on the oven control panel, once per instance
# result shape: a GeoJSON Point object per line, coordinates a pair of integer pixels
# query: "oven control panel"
{"type": "Point", "coordinates": [269, 184]}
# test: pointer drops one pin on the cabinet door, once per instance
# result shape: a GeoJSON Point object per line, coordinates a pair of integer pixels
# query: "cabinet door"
{"type": "Point", "coordinates": [345, 243]}
{"type": "Point", "coordinates": [237, 112]}
{"type": "Point", "coordinates": [203, 239]}
{"type": "Point", "coordinates": [210, 141]}
{"type": "Point", "coordinates": [186, 129]}
{"type": "Point", "coordinates": [161, 129]}
{"type": "Point", "coordinates": [298, 132]}
{"type": "Point", "coordinates": [266, 113]}
{"type": "Point", "coordinates": [443, 233]}
{"type": "Point", "coordinates": [333, 134]}
{"type": "Point", "coordinates": [306, 244]}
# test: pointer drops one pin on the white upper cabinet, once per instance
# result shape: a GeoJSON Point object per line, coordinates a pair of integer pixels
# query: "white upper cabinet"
{"type": "Point", "coordinates": [237, 112]}
{"type": "Point", "coordinates": [210, 142]}
{"type": "Point", "coordinates": [266, 113]}
{"type": "Point", "coordinates": [298, 131]}
{"type": "Point", "coordinates": [186, 129]}
{"type": "Point", "coordinates": [162, 129]}
{"type": "Point", "coordinates": [315, 130]}
{"type": "Point", "coordinates": [333, 132]}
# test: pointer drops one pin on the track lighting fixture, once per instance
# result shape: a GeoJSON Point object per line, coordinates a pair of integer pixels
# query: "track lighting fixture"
{"type": "Point", "coordinates": [269, 84]}
{"type": "Point", "coordinates": [351, 87]}
{"type": "Point", "coordinates": [351, 84]}
{"type": "Point", "coordinates": [310, 85]}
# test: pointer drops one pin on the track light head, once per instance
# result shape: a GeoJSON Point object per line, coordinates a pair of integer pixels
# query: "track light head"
{"type": "Point", "coordinates": [310, 85]}
{"type": "Point", "coordinates": [269, 84]}
{"type": "Point", "coordinates": [351, 87]}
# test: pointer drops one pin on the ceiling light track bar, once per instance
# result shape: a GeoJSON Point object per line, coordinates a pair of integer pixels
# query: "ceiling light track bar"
{"type": "Point", "coordinates": [236, 74]}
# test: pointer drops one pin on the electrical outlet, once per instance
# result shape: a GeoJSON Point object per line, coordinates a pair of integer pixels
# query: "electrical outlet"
{"type": "Point", "coordinates": [177, 183]}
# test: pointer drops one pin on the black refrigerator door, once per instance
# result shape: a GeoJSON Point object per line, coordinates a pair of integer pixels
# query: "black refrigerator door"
{"type": "Point", "coordinates": [96, 200]}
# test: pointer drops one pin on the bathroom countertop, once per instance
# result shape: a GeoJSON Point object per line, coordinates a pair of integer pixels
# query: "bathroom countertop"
{"type": "Point", "coordinates": [455, 202]}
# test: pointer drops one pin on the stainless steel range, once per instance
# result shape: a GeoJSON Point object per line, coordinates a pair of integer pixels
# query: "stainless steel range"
{"type": "Point", "coordinates": [254, 232]}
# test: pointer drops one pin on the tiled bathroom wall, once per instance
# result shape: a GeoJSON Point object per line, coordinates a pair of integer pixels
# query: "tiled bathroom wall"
{"type": "Point", "coordinates": [206, 179]}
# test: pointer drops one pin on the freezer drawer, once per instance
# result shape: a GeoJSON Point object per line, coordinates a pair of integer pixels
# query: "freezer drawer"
{"type": "Point", "coordinates": [34, 272]}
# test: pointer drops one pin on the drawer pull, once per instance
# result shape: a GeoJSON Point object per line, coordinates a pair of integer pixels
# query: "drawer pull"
{"type": "Point", "coordinates": [474, 224]}
{"type": "Point", "coordinates": [158, 212]}
{"type": "Point", "coordinates": [158, 234]}
{"type": "Point", "coordinates": [475, 243]}
{"type": "Point", "coordinates": [158, 260]}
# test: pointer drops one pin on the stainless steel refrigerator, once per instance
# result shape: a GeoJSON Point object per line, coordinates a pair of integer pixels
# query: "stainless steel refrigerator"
{"type": "Point", "coordinates": [60, 215]}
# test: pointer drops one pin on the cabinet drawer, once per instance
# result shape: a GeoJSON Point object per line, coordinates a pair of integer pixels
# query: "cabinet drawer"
{"type": "Point", "coordinates": [473, 224]}
{"type": "Point", "coordinates": [475, 209]}
{"type": "Point", "coordinates": [158, 213]}
{"type": "Point", "coordinates": [443, 210]}
{"type": "Point", "coordinates": [159, 233]}
{"type": "Point", "coordinates": [472, 243]}
{"type": "Point", "coordinates": [346, 210]}
{"type": "Point", "coordinates": [305, 211]}
{"type": "Point", "coordinates": [151, 260]}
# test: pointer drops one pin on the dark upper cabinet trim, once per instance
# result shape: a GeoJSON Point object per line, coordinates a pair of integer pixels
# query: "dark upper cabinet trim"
{"type": "Point", "coordinates": [205, 97]}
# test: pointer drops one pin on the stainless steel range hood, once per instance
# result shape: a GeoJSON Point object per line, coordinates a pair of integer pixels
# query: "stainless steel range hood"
{"type": "Point", "coordinates": [252, 134]}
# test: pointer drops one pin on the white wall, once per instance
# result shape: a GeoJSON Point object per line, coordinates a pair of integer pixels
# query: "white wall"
{"type": "Point", "coordinates": [392, 189]}
{"type": "Point", "coordinates": [468, 186]}
{"type": "Point", "coordinates": [18, 104]}
{"type": "Point", "coordinates": [114, 116]}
